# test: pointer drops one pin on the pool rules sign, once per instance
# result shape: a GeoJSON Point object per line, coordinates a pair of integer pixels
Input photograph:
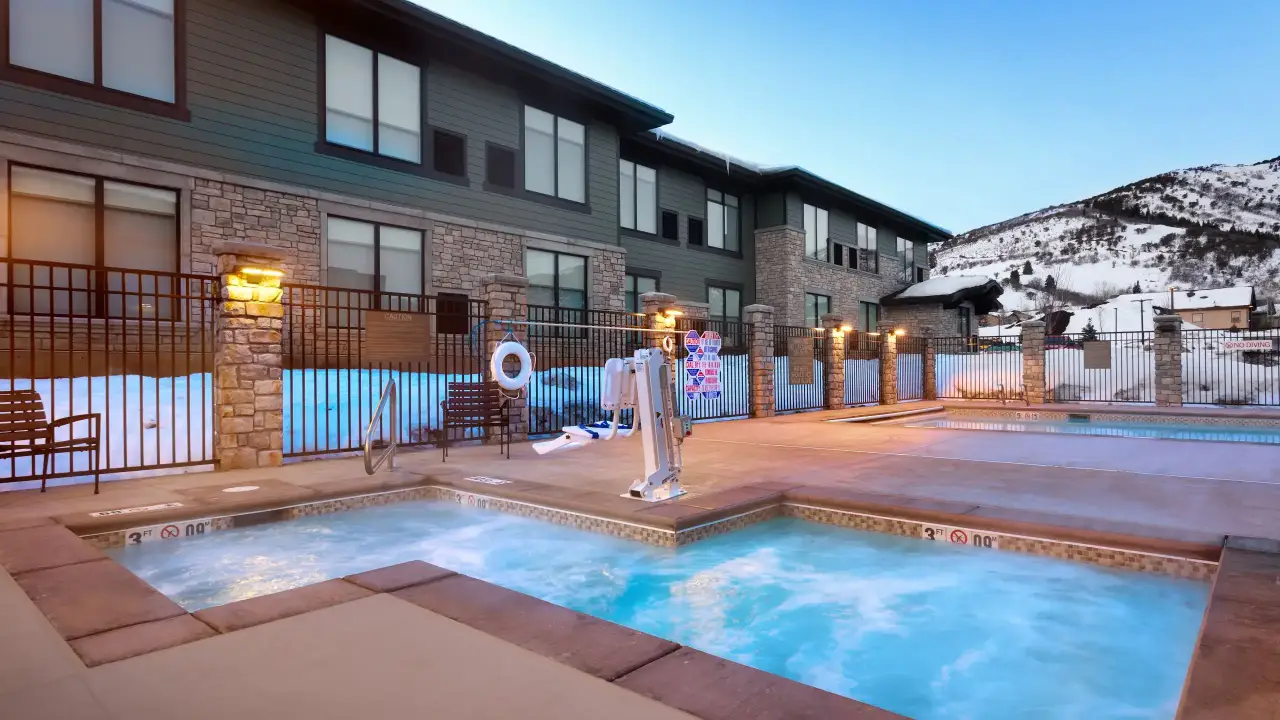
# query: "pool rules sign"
{"type": "Point", "coordinates": [702, 366]}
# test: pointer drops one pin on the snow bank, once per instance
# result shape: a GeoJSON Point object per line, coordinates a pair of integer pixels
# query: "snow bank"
{"type": "Point", "coordinates": [983, 375]}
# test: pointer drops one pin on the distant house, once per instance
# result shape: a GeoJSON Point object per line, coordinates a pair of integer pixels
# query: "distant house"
{"type": "Point", "coordinates": [943, 306]}
{"type": "Point", "coordinates": [1217, 309]}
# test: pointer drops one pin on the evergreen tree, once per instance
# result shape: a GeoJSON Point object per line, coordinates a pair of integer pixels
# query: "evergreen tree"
{"type": "Point", "coordinates": [1090, 332]}
{"type": "Point", "coordinates": [1015, 279]}
{"type": "Point", "coordinates": [1050, 284]}
{"type": "Point", "coordinates": [1137, 288]}
{"type": "Point", "coordinates": [1026, 268]}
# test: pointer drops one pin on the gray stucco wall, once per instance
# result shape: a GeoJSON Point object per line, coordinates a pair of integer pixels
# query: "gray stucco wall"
{"type": "Point", "coordinates": [687, 269]}
{"type": "Point", "coordinates": [252, 79]}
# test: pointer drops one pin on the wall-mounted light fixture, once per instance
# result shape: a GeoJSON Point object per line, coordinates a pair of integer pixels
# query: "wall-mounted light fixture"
{"type": "Point", "coordinates": [899, 332]}
{"type": "Point", "coordinates": [846, 328]}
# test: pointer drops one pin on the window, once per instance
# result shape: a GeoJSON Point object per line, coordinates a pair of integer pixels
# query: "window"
{"type": "Point", "coordinates": [500, 166]}
{"type": "Point", "coordinates": [1197, 317]}
{"type": "Point", "coordinates": [964, 321]}
{"type": "Point", "coordinates": [448, 153]}
{"type": "Point", "coordinates": [638, 285]}
{"type": "Point", "coordinates": [670, 225]}
{"type": "Point", "coordinates": [638, 197]}
{"type": "Point", "coordinates": [724, 303]}
{"type": "Point", "coordinates": [555, 156]}
{"type": "Point", "coordinates": [815, 232]}
{"type": "Point", "coordinates": [868, 252]}
{"type": "Point", "coordinates": [129, 47]}
{"type": "Point", "coordinates": [556, 279]}
{"type": "Point", "coordinates": [869, 314]}
{"type": "Point", "coordinates": [373, 102]}
{"type": "Point", "coordinates": [695, 231]}
{"type": "Point", "coordinates": [381, 258]}
{"type": "Point", "coordinates": [722, 221]}
{"type": "Point", "coordinates": [58, 217]}
{"type": "Point", "coordinates": [907, 256]}
{"type": "Point", "coordinates": [1237, 316]}
{"type": "Point", "coordinates": [815, 306]}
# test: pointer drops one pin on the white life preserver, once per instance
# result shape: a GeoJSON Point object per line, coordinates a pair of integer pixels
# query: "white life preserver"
{"type": "Point", "coordinates": [500, 355]}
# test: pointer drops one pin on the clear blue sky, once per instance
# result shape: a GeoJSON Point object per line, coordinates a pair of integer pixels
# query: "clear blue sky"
{"type": "Point", "coordinates": [962, 112]}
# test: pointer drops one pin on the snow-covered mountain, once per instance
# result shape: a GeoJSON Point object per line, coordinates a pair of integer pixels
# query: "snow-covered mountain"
{"type": "Point", "coordinates": [1204, 227]}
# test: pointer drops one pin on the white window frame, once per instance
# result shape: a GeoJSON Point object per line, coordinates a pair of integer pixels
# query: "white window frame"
{"type": "Point", "coordinates": [630, 213]}
{"type": "Point", "coordinates": [379, 101]}
{"type": "Point", "coordinates": [721, 205]}
{"type": "Point", "coordinates": [817, 232]}
{"type": "Point", "coordinates": [562, 133]}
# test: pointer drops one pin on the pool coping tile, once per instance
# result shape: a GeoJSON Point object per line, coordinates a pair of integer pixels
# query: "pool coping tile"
{"type": "Point", "coordinates": [134, 640]}
{"type": "Point", "coordinates": [713, 688]}
{"type": "Point", "coordinates": [42, 547]}
{"type": "Point", "coordinates": [93, 597]}
{"type": "Point", "coordinates": [595, 646]}
{"type": "Point", "coordinates": [276, 606]}
{"type": "Point", "coordinates": [399, 577]}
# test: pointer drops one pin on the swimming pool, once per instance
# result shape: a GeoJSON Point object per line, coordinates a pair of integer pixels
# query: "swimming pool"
{"type": "Point", "coordinates": [1164, 431]}
{"type": "Point", "coordinates": [926, 630]}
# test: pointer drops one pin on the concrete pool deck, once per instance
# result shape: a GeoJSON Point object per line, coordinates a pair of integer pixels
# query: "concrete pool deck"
{"type": "Point", "coordinates": [1174, 491]}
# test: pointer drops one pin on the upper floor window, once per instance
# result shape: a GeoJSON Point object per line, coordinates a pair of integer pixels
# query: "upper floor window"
{"type": "Point", "coordinates": [815, 306]}
{"type": "Point", "coordinates": [815, 232]}
{"type": "Point", "coordinates": [555, 156]}
{"type": "Point", "coordinates": [724, 303]}
{"type": "Point", "coordinates": [373, 102]}
{"type": "Point", "coordinates": [128, 46]}
{"type": "Point", "coordinates": [638, 285]}
{"type": "Point", "coordinates": [868, 251]}
{"type": "Point", "coordinates": [907, 257]}
{"type": "Point", "coordinates": [722, 221]}
{"type": "Point", "coordinates": [637, 197]}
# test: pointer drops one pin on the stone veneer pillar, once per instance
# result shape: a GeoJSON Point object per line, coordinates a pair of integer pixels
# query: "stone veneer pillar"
{"type": "Point", "coordinates": [249, 402]}
{"type": "Point", "coordinates": [652, 305]}
{"type": "Point", "coordinates": [930, 372]}
{"type": "Point", "coordinates": [507, 298]}
{"type": "Point", "coordinates": [888, 364]}
{"type": "Point", "coordinates": [1033, 377]}
{"type": "Point", "coordinates": [760, 318]}
{"type": "Point", "coordinates": [1168, 348]}
{"type": "Point", "coordinates": [833, 360]}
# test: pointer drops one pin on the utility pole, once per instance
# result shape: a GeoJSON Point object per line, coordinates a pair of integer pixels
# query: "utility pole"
{"type": "Point", "coordinates": [1142, 312]}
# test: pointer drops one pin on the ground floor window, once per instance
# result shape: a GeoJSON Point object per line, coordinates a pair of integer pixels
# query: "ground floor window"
{"type": "Point", "coordinates": [72, 227]}
{"type": "Point", "coordinates": [638, 285]}
{"type": "Point", "coordinates": [869, 316]}
{"type": "Point", "coordinates": [383, 259]}
{"type": "Point", "coordinates": [964, 321]}
{"type": "Point", "coordinates": [815, 306]}
{"type": "Point", "coordinates": [724, 303]}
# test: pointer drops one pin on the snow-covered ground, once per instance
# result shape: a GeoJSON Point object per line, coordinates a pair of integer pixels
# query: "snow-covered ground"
{"type": "Point", "coordinates": [984, 375]}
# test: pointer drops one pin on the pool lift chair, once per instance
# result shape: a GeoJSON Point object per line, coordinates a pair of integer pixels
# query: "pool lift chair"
{"type": "Point", "coordinates": [641, 383]}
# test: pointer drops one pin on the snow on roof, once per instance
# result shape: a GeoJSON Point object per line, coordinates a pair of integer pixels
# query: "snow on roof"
{"type": "Point", "coordinates": [933, 287]}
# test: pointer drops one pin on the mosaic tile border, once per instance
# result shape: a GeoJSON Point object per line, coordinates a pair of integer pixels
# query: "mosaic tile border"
{"type": "Point", "coordinates": [1112, 416]}
{"type": "Point", "coordinates": [1080, 552]}
{"type": "Point", "coordinates": [582, 521]}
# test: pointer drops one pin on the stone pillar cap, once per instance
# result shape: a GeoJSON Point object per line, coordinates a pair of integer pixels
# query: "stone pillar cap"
{"type": "Point", "coordinates": [249, 249]}
{"type": "Point", "coordinates": [758, 309]}
{"type": "Point", "coordinates": [831, 318]}
{"type": "Point", "coordinates": [658, 297]}
{"type": "Point", "coordinates": [1172, 319]}
{"type": "Point", "coordinates": [1032, 323]}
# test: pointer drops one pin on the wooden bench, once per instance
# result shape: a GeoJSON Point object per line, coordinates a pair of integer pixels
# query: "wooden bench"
{"type": "Point", "coordinates": [475, 405]}
{"type": "Point", "coordinates": [25, 432]}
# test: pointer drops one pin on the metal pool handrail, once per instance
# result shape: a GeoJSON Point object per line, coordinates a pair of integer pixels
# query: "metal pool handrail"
{"type": "Point", "coordinates": [370, 464]}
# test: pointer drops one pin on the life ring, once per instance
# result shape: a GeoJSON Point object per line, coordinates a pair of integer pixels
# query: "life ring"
{"type": "Point", "coordinates": [500, 354]}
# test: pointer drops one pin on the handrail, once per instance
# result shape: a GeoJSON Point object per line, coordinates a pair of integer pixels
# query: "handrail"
{"type": "Point", "coordinates": [370, 465]}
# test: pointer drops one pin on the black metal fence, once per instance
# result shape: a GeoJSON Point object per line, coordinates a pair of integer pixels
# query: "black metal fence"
{"type": "Point", "coordinates": [1100, 367]}
{"type": "Point", "coordinates": [331, 387]}
{"type": "Point", "coordinates": [799, 387]}
{"type": "Point", "coordinates": [569, 349]}
{"type": "Point", "coordinates": [734, 396]}
{"type": "Point", "coordinates": [132, 347]}
{"type": "Point", "coordinates": [911, 367]}
{"type": "Point", "coordinates": [1220, 367]}
{"type": "Point", "coordinates": [978, 368]}
{"type": "Point", "coordinates": [861, 368]}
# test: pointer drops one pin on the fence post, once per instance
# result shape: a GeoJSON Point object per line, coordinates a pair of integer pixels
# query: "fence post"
{"type": "Point", "coordinates": [1168, 348]}
{"type": "Point", "coordinates": [760, 317]}
{"type": "Point", "coordinates": [928, 357]}
{"type": "Point", "coordinates": [834, 361]}
{"type": "Point", "coordinates": [506, 298]}
{"type": "Point", "coordinates": [888, 364]}
{"type": "Point", "coordinates": [249, 402]}
{"type": "Point", "coordinates": [1033, 374]}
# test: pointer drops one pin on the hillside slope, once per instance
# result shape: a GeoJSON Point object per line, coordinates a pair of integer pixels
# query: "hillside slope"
{"type": "Point", "coordinates": [1202, 227]}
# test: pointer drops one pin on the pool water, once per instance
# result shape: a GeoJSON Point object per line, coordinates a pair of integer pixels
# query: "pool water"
{"type": "Point", "coordinates": [926, 630]}
{"type": "Point", "coordinates": [1213, 433]}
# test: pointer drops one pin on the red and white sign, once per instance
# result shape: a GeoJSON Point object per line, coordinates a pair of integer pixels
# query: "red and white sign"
{"type": "Point", "coordinates": [1264, 344]}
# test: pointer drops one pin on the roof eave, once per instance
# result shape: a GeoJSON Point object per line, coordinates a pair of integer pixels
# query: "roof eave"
{"type": "Point", "coordinates": [804, 177]}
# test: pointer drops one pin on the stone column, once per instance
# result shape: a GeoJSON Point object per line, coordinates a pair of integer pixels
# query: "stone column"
{"type": "Point", "coordinates": [652, 305]}
{"type": "Point", "coordinates": [760, 318]}
{"type": "Point", "coordinates": [249, 402]}
{"type": "Point", "coordinates": [930, 372]}
{"type": "Point", "coordinates": [833, 360]}
{"type": "Point", "coordinates": [1168, 348]}
{"type": "Point", "coordinates": [507, 298]}
{"type": "Point", "coordinates": [888, 364]}
{"type": "Point", "coordinates": [1033, 378]}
